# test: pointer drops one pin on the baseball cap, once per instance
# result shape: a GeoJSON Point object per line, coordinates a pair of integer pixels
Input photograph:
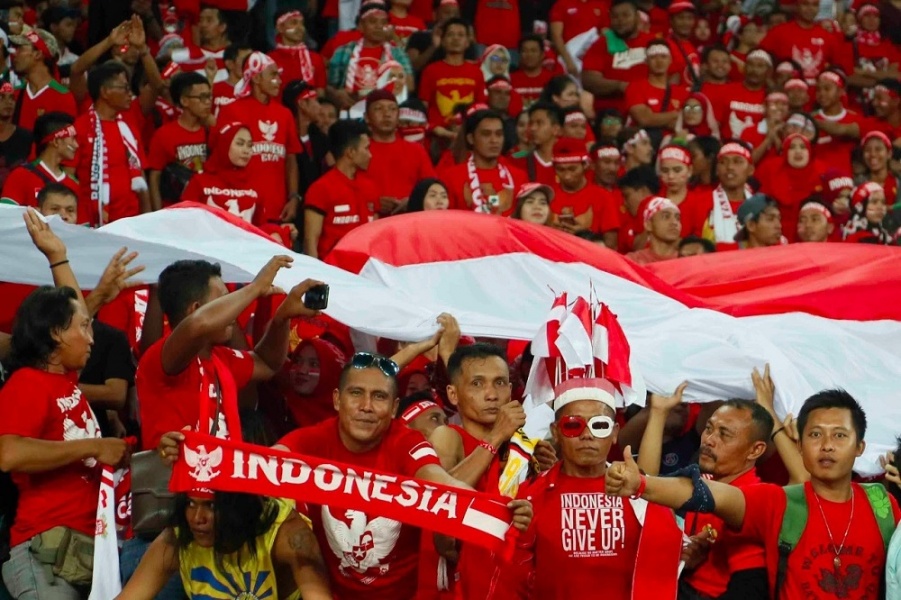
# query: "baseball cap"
{"type": "Point", "coordinates": [40, 39]}
{"type": "Point", "coordinates": [381, 94]}
{"type": "Point", "coordinates": [833, 182]}
{"type": "Point", "coordinates": [680, 6]}
{"type": "Point", "coordinates": [527, 188]}
{"type": "Point", "coordinates": [750, 209]}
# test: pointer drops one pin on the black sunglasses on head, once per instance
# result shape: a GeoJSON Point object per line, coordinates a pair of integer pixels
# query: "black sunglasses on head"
{"type": "Point", "coordinates": [365, 360]}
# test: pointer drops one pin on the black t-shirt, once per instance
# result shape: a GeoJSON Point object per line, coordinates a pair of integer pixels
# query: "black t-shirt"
{"type": "Point", "coordinates": [110, 359]}
{"type": "Point", "coordinates": [14, 152]}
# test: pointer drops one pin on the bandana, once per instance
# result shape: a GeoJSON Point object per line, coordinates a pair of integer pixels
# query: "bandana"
{"type": "Point", "coordinates": [641, 134]}
{"type": "Point", "coordinates": [568, 150]}
{"type": "Point", "coordinates": [415, 133]}
{"type": "Point", "coordinates": [867, 9]}
{"type": "Point", "coordinates": [288, 16]}
{"type": "Point", "coordinates": [412, 115]}
{"type": "Point", "coordinates": [417, 409]}
{"type": "Point", "coordinates": [60, 134]}
{"type": "Point", "coordinates": [776, 97]}
{"type": "Point", "coordinates": [676, 153]}
{"type": "Point", "coordinates": [575, 117]}
{"type": "Point", "coordinates": [350, 77]}
{"type": "Point", "coordinates": [607, 152]}
{"type": "Point", "coordinates": [475, 187]}
{"type": "Point", "coordinates": [734, 149]}
{"type": "Point", "coordinates": [863, 192]}
{"type": "Point", "coordinates": [817, 207]}
{"type": "Point", "coordinates": [877, 135]}
{"type": "Point", "coordinates": [886, 90]}
{"type": "Point", "coordinates": [681, 6]}
{"type": "Point", "coordinates": [170, 70]}
{"type": "Point", "coordinates": [307, 94]}
{"type": "Point", "coordinates": [762, 55]}
{"type": "Point", "coordinates": [472, 517]}
{"type": "Point", "coordinates": [37, 43]}
{"type": "Point", "coordinates": [796, 84]}
{"type": "Point", "coordinates": [834, 78]}
{"type": "Point", "coordinates": [658, 50]}
{"type": "Point", "coordinates": [100, 188]}
{"type": "Point", "coordinates": [657, 204]}
{"type": "Point", "coordinates": [369, 7]}
{"type": "Point", "coordinates": [256, 64]}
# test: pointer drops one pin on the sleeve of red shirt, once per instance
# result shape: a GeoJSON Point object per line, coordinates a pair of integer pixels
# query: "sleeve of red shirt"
{"type": "Point", "coordinates": [597, 57]}
{"type": "Point", "coordinates": [241, 365]}
{"type": "Point", "coordinates": [158, 157]}
{"type": "Point", "coordinates": [317, 198]}
{"type": "Point", "coordinates": [556, 14]}
{"type": "Point", "coordinates": [764, 507]}
{"type": "Point", "coordinates": [25, 423]}
{"type": "Point", "coordinates": [414, 451]}
{"type": "Point", "coordinates": [635, 94]}
{"type": "Point", "coordinates": [427, 84]}
{"type": "Point", "coordinates": [606, 213]}
{"type": "Point", "coordinates": [293, 145]}
{"type": "Point", "coordinates": [15, 188]}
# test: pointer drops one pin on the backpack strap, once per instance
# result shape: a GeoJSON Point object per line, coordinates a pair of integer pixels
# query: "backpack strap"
{"type": "Point", "coordinates": [882, 509]}
{"type": "Point", "coordinates": [793, 523]}
{"type": "Point", "coordinates": [33, 167]}
{"type": "Point", "coordinates": [531, 167]}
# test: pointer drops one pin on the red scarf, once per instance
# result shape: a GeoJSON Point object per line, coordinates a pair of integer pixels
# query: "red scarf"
{"type": "Point", "coordinates": [302, 55]}
{"type": "Point", "coordinates": [229, 466]}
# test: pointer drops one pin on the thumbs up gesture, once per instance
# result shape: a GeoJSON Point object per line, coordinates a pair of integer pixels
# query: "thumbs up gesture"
{"type": "Point", "coordinates": [623, 478]}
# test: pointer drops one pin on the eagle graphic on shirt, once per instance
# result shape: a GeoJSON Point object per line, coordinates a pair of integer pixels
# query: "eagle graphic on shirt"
{"type": "Point", "coordinates": [446, 104]}
{"type": "Point", "coordinates": [269, 129]}
{"type": "Point", "coordinates": [361, 544]}
{"type": "Point", "coordinates": [809, 62]}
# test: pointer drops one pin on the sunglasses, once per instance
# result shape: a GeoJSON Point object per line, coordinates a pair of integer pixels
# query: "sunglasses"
{"type": "Point", "coordinates": [366, 360]}
{"type": "Point", "coordinates": [572, 426]}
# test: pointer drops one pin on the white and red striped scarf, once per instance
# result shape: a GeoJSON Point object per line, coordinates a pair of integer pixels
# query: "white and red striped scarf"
{"type": "Point", "coordinates": [100, 189]}
{"type": "Point", "coordinates": [302, 54]}
{"type": "Point", "coordinates": [350, 77]}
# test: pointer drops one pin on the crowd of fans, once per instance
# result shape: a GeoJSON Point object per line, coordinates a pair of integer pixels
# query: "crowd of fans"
{"type": "Point", "coordinates": [657, 130]}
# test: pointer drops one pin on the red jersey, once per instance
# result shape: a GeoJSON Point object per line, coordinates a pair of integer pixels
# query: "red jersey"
{"type": "Point", "coordinates": [544, 172]}
{"type": "Point", "coordinates": [592, 198]}
{"type": "Point", "coordinates": [56, 411]}
{"type": "Point", "coordinates": [443, 86]}
{"type": "Point", "coordinates": [223, 93]}
{"type": "Point", "coordinates": [382, 558]}
{"type": "Point", "coordinates": [644, 92]}
{"type": "Point", "coordinates": [836, 152]}
{"type": "Point", "coordinates": [529, 87]}
{"type": "Point", "coordinates": [686, 60]}
{"type": "Point", "coordinates": [24, 182]}
{"type": "Point", "coordinates": [123, 202]}
{"type": "Point", "coordinates": [210, 189]}
{"type": "Point", "coordinates": [811, 572]}
{"type": "Point", "coordinates": [173, 143]}
{"type": "Point", "coordinates": [397, 166]}
{"type": "Point", "coordinates": [733, 552]}
{"type": "Point", "coordinates": [274, 138]}
{"type": "Point", "coordinates": [292, 60]}
{"type": "Point", "coordinates": [53, 97]}
{"type": "Point", "coordinates": [578, 16]}
{"type": "Point", "coordinates": [344, 203]}
{"type": "Point", "coordinates": [492, 182]}
{"type": "Point", "coordinates": [742, 108]}
{"type": "Point", "coordinates": [171, 402]}
{"type": "Point", "coordinates": [404, 27]}
{"type": "Point", "coordinates": [497, 22]}
{"type": "Point", "coordinates": [813, 48]}
{"type": "Point", "coordinates": [629, 65]}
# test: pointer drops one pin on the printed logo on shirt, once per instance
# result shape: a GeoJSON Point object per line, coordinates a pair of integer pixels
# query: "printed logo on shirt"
{"type": "Point", "coordinates": [191, 155]}
{"type": "Point", "coordinates": [342, 208]}
{"type": "Point", "coordinates": [269, 129]}
{"type": "Point", "coordinates": [810, 62]}
{"type": "Point", "coordinates": [362, 545]}
{"type": "Point", "coordinates": [592, 525]}
{"type": "Point", "coordinates": [628, 59]}
{"type": "Point", "coordinates": [820, 578]}
{"type": "Point", "coordinates": [203, 463]}
{"type": "Point", "coordinates": [269, 152]}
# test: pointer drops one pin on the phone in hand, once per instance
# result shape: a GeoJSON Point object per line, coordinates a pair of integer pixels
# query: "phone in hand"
{"type": "Point", "coordinates": [316, 298]}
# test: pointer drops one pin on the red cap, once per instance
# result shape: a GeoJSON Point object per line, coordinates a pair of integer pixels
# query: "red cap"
{"type": "Point", "coordinates": [569, 150]}
{"type": "Point", "coordinates": [681, 6]}
{"type": "Point", "coordinates": [833, 182]}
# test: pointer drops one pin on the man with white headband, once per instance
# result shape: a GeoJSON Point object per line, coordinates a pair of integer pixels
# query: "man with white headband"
{"type": "Point", "coordinates": [654, 102]}
{"type": "Point", "coordinates": [275, 140]}
{"type": "Point", "coordinates": [803, 40]}
{"type": "Point", "coordinates": [580, 538]}
{"type": "Point", "coordinates": [291, 54]}
{"type": "Point", "coordinates": [745, 99]}
{"type": "Point", "coordinates": [834, 149]}
{"type": "Point", "coordinates": [662, 223]}
{"type": "Point", "coordinates": [717, 209]}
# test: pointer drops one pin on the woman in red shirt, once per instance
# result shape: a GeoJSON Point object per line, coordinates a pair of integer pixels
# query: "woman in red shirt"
{"type": "Point", "coordinates": [791, 179]}
{"type": "Point", "coordinates": [877, 154]}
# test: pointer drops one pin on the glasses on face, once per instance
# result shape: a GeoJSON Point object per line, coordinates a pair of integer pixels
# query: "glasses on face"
{"type": "Point", "coordinates": [693, 108]}
{"type": "Point", "coordinates": [611, 121]}
{"type": "Point", "coordinates": [201, 97]}
{"type": "Point", "coordinates": [572, 426]}
{"type": "Point", "coordinates": [365, 360]}
{"type": "Point", "coordinates": [497, 58]}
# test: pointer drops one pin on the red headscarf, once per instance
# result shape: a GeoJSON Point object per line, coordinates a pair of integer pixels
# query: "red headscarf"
{"type": "Point", "coordinates": [219, 164]}
{"type": "Point", "coordinates": [318, 406]}
{"type": "Point", "coordinates": [789, 185]}
{"type": "Point", "coordinates": [708, 125]}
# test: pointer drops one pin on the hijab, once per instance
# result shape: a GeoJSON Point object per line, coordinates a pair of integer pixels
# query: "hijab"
{"type": "Point", "coordinates": [708, 125]}
{"type": "Point", "coordinates": [858, 228]}
{"type": "Point", "coordinates": [220, 165]}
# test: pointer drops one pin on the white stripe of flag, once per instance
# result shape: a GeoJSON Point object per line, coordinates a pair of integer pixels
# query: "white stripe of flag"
{"type": "Point", "coordinates": [422, 450]}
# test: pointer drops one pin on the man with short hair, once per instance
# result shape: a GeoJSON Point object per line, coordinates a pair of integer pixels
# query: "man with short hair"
{"type": "Point", "coordinates": [233, 58]}
{"type": "Point", "coordinates": [816, 221]}
{"type": "Point", "coordinates": [55, 136]}
{"type": "Point", "coordinates": [184, 140]}
{"type": "Point", "coordinates": [664, 228]}
{"type": "Point", "coordinates": [58, 199]}
{"type": "Point", "coordinates": [34, 62]}
{"type": "Point", "coordinates": [803, 40]}
{"type": "Point", "coordinates": [291, 53]}
{"type": "Point", "coordinates": [695, 246]}
{"type": "Point", "coordinates": [396, 165]}
{"type": "Point", "coordinates": [345, 197]}
{"type": "Point", "coordinates": [686, 62]}
{"type": "Point", "coordinates": [833, 149]}
{"type": "Point", "coordinates": [616, 58]}
{"type": "Point", "coordinates": [545, 121]}
{"type": "Point", "coordinates": [654, 101]}
{"type": "Point", "coordinates": [760, 221]}
{"type": "Point", "coordinates": [367, 555]}
{"type": "Point", "coordinates": [742, 104]}
{"type": "Point", "coordinates": [275, 141]}
{"type": "Point", "coordinates": [353, 69]}
{"type": "Point", "coordinates": [483, 183]}
{"type": "Point", "coordinates": [843, 540]}
{"type": "Point", "coordinates": [213, 31]}
{"type": "Point", "coordinates": [580, 205]}
{"type": "Point", "coordinates": [636, 185]}
{"type": "Point", "coordinates": [716, 64]}
{"type": "Point", "coordinates": [716, 212]}
{"type": "Point", "coordinates": [117, 189]}
{"type": "Point", "coordinates": [15, 142]}
{"type": "Point", "coordinates": [530, 76]}
{"type": "Point", "coordinates": [62, 22]}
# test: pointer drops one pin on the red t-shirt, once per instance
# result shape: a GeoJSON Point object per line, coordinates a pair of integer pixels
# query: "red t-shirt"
{"type": "Point", "coordinates": [274, 138]}
{"type": "Point", "coordinates": [289, 60]}
{"type": "Point", "coordinates": [173, 143]}
{"type": "Point", "coordinates": [47, 406]}
{"type": "Point", "coordinates": [643, 92]}
{"type": "Point", "coordinates": [718, 94]}
{"type": "Point", "coordinates": [24, 183]}
{"type": "Point", "coordinates": [594, 198]}
{"type": "Point", "coordinates": [123, 202]}
{"type": "Point", "coordinates": [529, 87]}
{"type": "Point", "coordinates": [404, 27]}
{"type": "Point", "coordinates": [733, 552]}
{"type": "Point", "coordinates": [811, 572]}
{"type": "Point", "coordinates": [172, 402]}
{"type": "Point", "coordinates": [544, 171]}
{"type": "Point", "coordinates": [223, 93]}
{"type": "Point", "coordinates": [742, 108]}
{"type": "Point", "coordinates": [210, 189]}
{"type": "Point", "coordinates": [497, 22]}
{"type": "Point", "coordinates": [491, 183]}
{"type": "Point", "coordinates": [397, 166]}
{"type": "Point", "coordinates": [53, 97]}
{"type": "Point", "coordinates": [582, 539]}
{"type": "Point", "coordinates": [354, 572]}
{"type": "Point", "coordinates": [621, 66]}
{"type": "Point", "coordinates": [443, 86]}
{"type": "Point", "coordinates": [344, 203]}
{"type": "Point", "coordinates": [836, 152]}
{"type": "Point", "coordinates": [813, 48]}
{"type": "Point", "coordinates": [578, 16]}
{"type": "Point", "coordinates": [685, 59]}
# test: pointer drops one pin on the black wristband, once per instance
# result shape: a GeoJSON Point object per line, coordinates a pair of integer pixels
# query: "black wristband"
{"type": "Point", "coordinates": [775, 433]}
{"type": "Point", "coordinates": [59, 264]}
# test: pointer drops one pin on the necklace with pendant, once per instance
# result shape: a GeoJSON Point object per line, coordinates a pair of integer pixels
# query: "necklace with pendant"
{"type": "Point", "coordinates": [837, 561]}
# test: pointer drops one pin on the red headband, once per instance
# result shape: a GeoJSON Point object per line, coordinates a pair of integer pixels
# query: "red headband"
{"type": "Point", "coordinates": [762, 55]}
{"type": "Point", "coordinates": [890, 92]}
{"type": "Point", "coordinates": [500, 84]}
{"type": "Point", "coordinates": [877, 135]}
{"type": "Point", "coordinates": [7, 88]}
{"type": "Point", "coordinates": [816, 206]}
{"type": "Point", "coordinates": [657, 204]}
{"type": "Point", "coordinates": [288, 15]}
{"type": "Point", "coordinates": [776, 97]}
{"type": "Point", "coordinates": [676, 153]}
{"type": "Point", "coordinates": [734, 149]}
{"type": "Point", "coordinates": [575, 117]}
{"type": "Point", "coordinates": [170, 70]}
{"type": "Point", "coordinates": [35, 40]}
{"type": "Point", "coordinates": [60, 134]}
{"type": "Point", "coordinates": [868, 9]}
{"type": "Point", "coordinates": [641, 134]}
{"type": "Point", "coordinates": [417, 409]}
{"type": "Point", "coordinates": [307, 94]}
{"type": "Point", "coordinates": [833, 77]}
{"type": "Point", "coordinates": [796, 84]}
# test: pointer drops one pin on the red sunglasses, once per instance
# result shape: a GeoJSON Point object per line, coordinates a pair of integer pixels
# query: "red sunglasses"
{"type": "Point", "coordinates": [573, 425]}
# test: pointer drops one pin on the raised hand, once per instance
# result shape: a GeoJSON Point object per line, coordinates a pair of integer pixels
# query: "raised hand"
{"type": "Point", "coordinates": [765, 389]}
{"type": "Point", "coordinates": [136, 35]}
{"type": "Point", "coordinates": [117, 276]}
{"type": "Point", "coordinates": [293, 306]}
{"type": "Point", "coordinates": [119, 35]}
{"type": "Point", "coordinates": [43, 237]}
{"type": "Point", "coordinates": [667, 403]}
{"type": "Point", "coordinates": [450, 335]}
{"type": "Point", "coordinates": [509, 419]}
{"type": "Point", "coordinates": [263, 282]}
{"type": "Point", "coordinates": [623, 478]}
